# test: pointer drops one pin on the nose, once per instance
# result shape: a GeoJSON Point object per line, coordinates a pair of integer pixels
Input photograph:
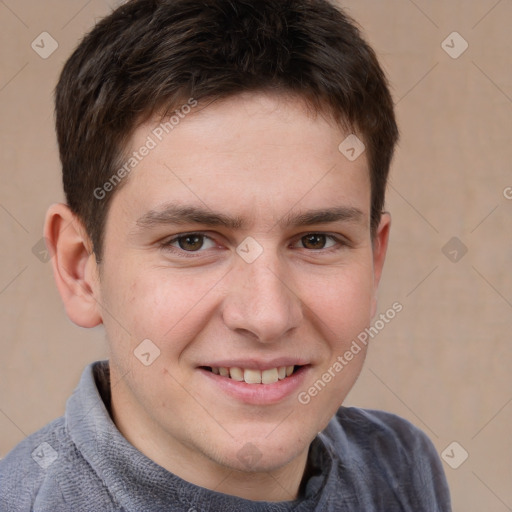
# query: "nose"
{"type": "Point", "coordinates": [260, 300]}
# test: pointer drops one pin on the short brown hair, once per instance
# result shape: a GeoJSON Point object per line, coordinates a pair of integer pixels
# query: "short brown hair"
{"type": "Point", "coordinates": [150, 56]}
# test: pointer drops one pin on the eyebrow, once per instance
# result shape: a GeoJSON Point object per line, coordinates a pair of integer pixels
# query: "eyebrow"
{"type": "Point", "coordinates": [323, 216]}
{"type": "Point", "coordinates": [171, 213]}
{"type": "Point", "coordinates": [177, 214]}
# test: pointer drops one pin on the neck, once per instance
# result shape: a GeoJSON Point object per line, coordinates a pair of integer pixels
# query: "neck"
{"type": "Point", "coordinates": [277, 485]}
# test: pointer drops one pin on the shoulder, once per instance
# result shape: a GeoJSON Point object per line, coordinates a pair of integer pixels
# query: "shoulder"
{"type": "Point", "coordinates": [372, 433]}
{"type": "Point", "coordinates": [381, 428]}
{"type": "Point", "coordinates": [26, 468]}
{"type": "Point", "coordinates": [392, 453]}
{"type": "Point", "coordinates": [44, 472]}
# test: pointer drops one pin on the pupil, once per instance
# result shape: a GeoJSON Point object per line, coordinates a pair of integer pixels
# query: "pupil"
{"type": "Point", "coordinates": [190, 242]}
{"type": "Point", "coordinates": [314, 240]}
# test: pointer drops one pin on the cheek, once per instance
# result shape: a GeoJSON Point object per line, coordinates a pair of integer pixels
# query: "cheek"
{"type": "Point", "coordinates": [343, 302]}
{"type": "Point", "coordinates": [343, 309]}
{"type": "Point", "coordinates": [160, 306]}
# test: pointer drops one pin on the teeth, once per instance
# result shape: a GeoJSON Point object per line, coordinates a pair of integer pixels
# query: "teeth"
{"type": "Point", "coordinates": [269, 376]}
{"type": "Point", "coordinates": [255, 376]}
{"type": "Point", "coordinates": [252, 376]}
{"type": "Point", "coordinates": [236, 374]}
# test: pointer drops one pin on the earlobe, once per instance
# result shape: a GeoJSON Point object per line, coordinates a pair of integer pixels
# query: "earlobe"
{"type": "Point", "coordinates": [380, 246]}
{"type": "Point", "coordinates": [74, 265]}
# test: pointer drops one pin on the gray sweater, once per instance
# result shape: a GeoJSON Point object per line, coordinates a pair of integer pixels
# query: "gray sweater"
{"type": "Point", "coordinates": [364, 460]}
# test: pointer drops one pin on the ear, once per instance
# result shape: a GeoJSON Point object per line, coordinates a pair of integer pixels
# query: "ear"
{"type": "Point", "coordinates": [74, 265]}
{"type": "Point", "coordinates": [380, 246]}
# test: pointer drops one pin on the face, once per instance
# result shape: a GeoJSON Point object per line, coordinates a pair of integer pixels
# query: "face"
{"type": "Point", "coordinates": [239, 249]}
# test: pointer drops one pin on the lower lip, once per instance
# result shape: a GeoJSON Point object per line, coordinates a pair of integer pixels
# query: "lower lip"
{"type": "Point", "coordinates": [259, 394]}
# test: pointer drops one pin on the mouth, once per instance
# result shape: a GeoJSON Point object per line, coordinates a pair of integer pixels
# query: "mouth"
{"type": "Point", "coordinates": [254, 376]}
{"type": "Point", "coordinates": [256, 380]}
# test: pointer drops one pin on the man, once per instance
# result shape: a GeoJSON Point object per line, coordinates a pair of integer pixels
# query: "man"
{"type": "Point", "coordinates": [224, 164]}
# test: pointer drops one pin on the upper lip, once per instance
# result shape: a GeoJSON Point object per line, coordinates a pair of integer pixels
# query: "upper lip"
{"type": "Point", "coordinates": [256, 364]}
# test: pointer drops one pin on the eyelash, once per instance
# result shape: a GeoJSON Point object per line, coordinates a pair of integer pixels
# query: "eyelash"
{"type": "Point", "coordinates": [339, 244]}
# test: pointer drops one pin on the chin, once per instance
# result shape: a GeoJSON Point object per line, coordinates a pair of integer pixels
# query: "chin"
{"type": "Point", "coordinates": [258, 455]}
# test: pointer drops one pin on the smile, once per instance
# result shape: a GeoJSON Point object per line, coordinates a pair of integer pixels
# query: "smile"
{"type": "Point", "coordinates": [266, 385]}
{"type": "Point", "coordinates": [254, 376]}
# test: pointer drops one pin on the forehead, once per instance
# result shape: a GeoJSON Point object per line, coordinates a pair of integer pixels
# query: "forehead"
{"type": "Point", "coordinates": [252, 152]}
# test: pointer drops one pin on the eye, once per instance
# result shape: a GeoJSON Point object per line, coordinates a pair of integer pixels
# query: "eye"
{"type": "Point", "coordinates": [318, 241]}
{"type": "Point", "coordinates": [190, 242]}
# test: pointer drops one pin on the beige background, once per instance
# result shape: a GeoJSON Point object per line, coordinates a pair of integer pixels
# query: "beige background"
{"type": "Point", "coordinates": [444, 361]}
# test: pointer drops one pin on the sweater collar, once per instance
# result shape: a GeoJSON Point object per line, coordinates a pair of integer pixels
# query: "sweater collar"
{"type": "Point", "coordinates": [135, 482]}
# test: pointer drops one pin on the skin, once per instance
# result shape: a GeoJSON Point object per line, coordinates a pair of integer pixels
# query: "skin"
{"type": "Point", "coordinates": [258, 157]}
